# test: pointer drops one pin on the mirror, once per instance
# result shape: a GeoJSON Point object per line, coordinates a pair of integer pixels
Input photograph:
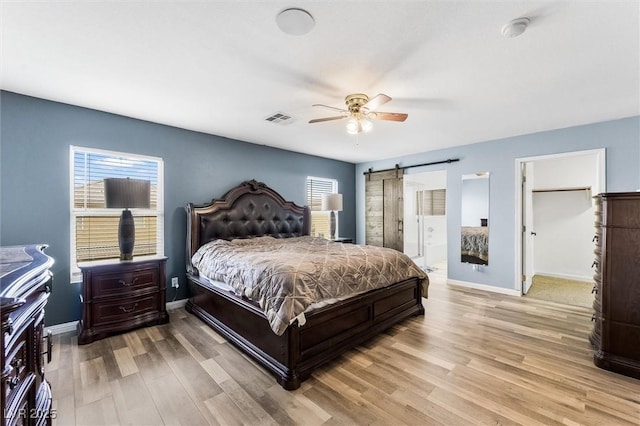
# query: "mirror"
{"type": "Point", "coordinates": [474, 244]}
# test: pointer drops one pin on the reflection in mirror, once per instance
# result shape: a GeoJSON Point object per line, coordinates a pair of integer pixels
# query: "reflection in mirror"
{"type": "Point", "coordinates": [475, 218]}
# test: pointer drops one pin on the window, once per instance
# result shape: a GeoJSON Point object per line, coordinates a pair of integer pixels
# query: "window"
{"type": "Point", "coordinates": [431, 202]}
{"type": "Point", "coordinates": [320, 219]}
{"type": "Point", "coordinates": [94, 228]}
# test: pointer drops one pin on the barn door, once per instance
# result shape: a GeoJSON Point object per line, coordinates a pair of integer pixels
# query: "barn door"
{"type": "Point", "coordinates": [384, 209]}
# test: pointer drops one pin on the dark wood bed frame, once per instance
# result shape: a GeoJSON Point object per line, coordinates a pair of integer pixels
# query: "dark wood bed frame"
{"type": "Point", "coordinates": [253, 209]}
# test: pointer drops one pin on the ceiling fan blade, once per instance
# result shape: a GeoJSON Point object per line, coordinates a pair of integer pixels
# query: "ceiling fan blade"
{"type": "Point", "coordinates": [330, 107]}
{"type": "Point", "coordinates": [390, 116]}
{"type": "Point", "coordinates": [376, 101]}
{"type": "Point", "coordinates": [320, 120]}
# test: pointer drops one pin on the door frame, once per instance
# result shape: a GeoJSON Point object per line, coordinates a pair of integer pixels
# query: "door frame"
{"type": "Point", "coordinates": [408, 179]}
{"type": "Point", "coordinates": [600, 187]}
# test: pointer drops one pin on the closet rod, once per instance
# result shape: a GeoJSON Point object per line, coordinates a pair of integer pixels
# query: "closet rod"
{"type": "Point", "coordinates": [450, 160]}
{"type": "Point", "coordinates": [586, 188]}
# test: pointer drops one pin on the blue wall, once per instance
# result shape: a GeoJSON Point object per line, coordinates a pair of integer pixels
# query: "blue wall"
{"type": "Point", "coordinates": [34, 159]}
{"type": "Point", "coordinates": [34, 180]}
{"type": "Point", "coordinates": [620, 138]}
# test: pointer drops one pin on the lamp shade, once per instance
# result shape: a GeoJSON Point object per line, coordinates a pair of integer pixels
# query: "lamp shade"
{"type": "Point", "coordinates": [127, 193]}
{"type": "Point", "coordinates": [331, 202]}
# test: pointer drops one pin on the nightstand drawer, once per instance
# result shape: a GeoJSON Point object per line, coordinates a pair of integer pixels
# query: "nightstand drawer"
{"type": "Point", "coordinates": [121, 310]}
{"type": "Point", "coordinates": [119, 283]}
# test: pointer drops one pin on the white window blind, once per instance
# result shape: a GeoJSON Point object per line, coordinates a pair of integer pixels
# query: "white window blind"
{"type": "Point", "coordinates": [94, 228]}
{"type": "Point", "coordinates": [320, 219]}
{"type": "Point", "coordinates": [431, 202]}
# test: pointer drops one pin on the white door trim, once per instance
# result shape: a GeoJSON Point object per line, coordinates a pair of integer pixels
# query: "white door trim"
{"type": "Point", "coordinates": [601, 174]}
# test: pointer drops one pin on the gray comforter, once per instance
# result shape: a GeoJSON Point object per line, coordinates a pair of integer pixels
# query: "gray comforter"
{"type": "Point", "coordinates": [287, 276]}
{"type": "Point", "coordinates": [475, 241]}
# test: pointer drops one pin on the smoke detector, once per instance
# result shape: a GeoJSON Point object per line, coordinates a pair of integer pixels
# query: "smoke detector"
{"type": "Point", "coordinates": [515, 28]}
{"type": "Point", "coordinates": [295, 21]}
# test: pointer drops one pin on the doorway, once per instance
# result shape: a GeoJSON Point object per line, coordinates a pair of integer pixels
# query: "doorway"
{"type": "Point", "coordinates": [554, 222]}
{"type": "Point", "coordinates": [425, 220]}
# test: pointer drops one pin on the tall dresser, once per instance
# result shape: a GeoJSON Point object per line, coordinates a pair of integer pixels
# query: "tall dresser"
{"type": "Point", "coordinates": [616, 332]}
{"type": "Point", "coordinates": [25, 282]}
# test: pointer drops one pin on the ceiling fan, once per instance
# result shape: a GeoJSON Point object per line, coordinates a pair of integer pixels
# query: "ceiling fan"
{"type": "Point", "coordinates": [360, 109]}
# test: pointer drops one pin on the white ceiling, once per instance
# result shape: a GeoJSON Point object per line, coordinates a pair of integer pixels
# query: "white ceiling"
{"type": "Point", "coordinates": [222, 67]}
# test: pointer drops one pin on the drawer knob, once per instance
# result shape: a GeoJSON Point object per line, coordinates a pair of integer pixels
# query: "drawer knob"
{"type": "Point", "coordinates": [126, 284]}
{"type": "Point", "coordinates": [135, 305]}
{"type": "Point", "coordinates": [13, 382]}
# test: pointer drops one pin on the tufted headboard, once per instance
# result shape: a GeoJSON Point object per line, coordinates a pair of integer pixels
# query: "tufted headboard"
{"type": "Point", "coordinates": [251, 209]}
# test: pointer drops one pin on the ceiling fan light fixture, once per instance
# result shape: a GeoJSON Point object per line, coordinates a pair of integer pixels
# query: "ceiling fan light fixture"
{"type": "Point", "coordinates": [353, 127]}
{"type": "Point", "coordinates": [360, 110]}
{"type": "Point", "coordinates": [295, 21]}
{"type": "Point", "coordinates": [367, 125]}
{"type": "Point", "coordinates": [357, 125]}
{"type": "Point", "coordinates": [515, 27]}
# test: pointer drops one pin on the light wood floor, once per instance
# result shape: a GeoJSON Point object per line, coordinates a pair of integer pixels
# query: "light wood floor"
{"type": "Point", "coordinates": [474, 358]}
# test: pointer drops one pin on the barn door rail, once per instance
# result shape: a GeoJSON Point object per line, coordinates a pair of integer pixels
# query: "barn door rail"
{"type": "Point", "coordinates": [447, 161]}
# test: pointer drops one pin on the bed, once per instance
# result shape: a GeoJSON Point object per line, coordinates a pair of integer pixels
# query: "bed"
{"type": "Point", "coordinates": [253, 211]}
{"type": "Point", "coordinates": [475, 245]}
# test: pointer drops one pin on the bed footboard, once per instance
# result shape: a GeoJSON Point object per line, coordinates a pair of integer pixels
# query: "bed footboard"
{"type": "Point", "coordinates": [329, 331]}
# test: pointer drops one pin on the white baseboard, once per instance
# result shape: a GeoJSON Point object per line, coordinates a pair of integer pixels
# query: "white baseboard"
{"type": "Point", "coordinates": [73, 325]}
{"type": "Point", "coordinates": [484, 287]}
{"type": "Point", "coordinates": [177, 304]}
{"type": "Point", "coordinates": [63, 328]}
{"type": "Point", "coordinates": [566, 276]}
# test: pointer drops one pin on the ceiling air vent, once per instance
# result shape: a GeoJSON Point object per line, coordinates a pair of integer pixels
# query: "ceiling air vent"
{"type": "Point", "coordinates": [280, 118]}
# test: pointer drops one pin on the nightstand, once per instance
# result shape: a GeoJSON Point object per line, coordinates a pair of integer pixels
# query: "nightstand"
{"type": "Point", "coordinates": [342, 240]}
{"type": "Point", "coordinates": [121, 295]}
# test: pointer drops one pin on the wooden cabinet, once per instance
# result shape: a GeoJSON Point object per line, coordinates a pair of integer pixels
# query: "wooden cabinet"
{"type": "Point", "coordinates": [25, 286]}
{"type": "Point", "coordinates": [616, 332]}
{"type": "Point", "coordinates": [121, 295]}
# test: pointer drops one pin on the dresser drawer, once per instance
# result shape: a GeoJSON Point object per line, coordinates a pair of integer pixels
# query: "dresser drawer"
{"type": "Point", "coordinates": [596, 266]}
{"type": "Point", "coordinates": [125, 309]}
{"type": "Point", "coordinates": [597, 307]}
{"type": "Point", "coordinates": [17, 363]}
{"type": "Point", "coordinates": [107, 284]}
{"type": "Point", "coordinates": [16, 412]}
{"type": "Point", "coordinates": [598, 217]}
{"type": "Point", "coordinates": [595, 338]}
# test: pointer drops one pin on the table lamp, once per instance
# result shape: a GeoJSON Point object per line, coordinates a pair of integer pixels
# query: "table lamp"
{"type": "Point", "coordinates": [126, 193]}
{"type": "Point", "coordinates": [332, 202]}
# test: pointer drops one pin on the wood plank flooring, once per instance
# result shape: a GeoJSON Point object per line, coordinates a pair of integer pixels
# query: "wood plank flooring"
{"type": "Point", "coordinates": [474, 358]}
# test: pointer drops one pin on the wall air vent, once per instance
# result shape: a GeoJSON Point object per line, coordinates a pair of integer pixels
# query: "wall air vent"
{"type": "Point", "coordinates": [280, 118]}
